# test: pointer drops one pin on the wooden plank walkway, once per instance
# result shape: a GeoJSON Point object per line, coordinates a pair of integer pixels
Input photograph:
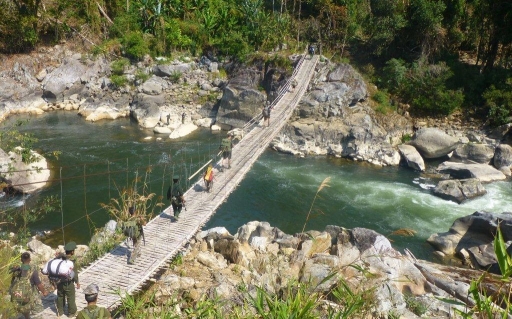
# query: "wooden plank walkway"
{"type": "Point", "coordinates": [166, 237]}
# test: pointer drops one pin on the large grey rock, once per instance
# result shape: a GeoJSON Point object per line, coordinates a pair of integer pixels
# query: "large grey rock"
{"type": "Point", "coordinates": [353, 81]}
{"type": "Point", "coordinates": [460, 190]}
{"type": "Point", "coordinates": [473, 152]}
{"type": "Point", "coordinates": [171, 69]}
{"type": "Point", "coordinates": [412, 157]}
{"type": "Point", "coordinates": [485, 173]}
{"type": "Point", "coordinates": [23, 177]}
{"type": "Point", "coordinates": [503, 156]}
{"type": "Point", "coordinates": [473, 233]}
{"type": "Point", "coordinates": [433, 143]}
{"type": "Point", "coordinates": [42, 251]}
{"type": "Point", "coordinates": [70, 76]}
{"type": "Point", "coordinates": [154, 86]}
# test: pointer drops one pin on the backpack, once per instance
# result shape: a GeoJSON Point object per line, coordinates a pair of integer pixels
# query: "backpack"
{"type": "Point", "coordinates": [98, 313]}
{"type": "Point", "coordinates": [209, 175]}
{"type": "Point", "coordinates": [63, 271]}
{"type": "Point", "coordinates": [266, 112]}
{"type": "Point", "coordinates": [21, 290]}
{"type": "Point", "coordinates": [130, 229]}
{"type": "Point", "coordinates": [226, 144]}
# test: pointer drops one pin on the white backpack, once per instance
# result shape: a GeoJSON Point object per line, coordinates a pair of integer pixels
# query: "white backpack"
{"type": "Point", "coordinates": [59, 270]}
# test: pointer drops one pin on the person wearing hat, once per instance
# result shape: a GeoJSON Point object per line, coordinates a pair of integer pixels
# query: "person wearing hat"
{"type": "Point", "coordinates": [92, 311]}
{"type": "Point", "coordinates": [66, 288]}
{"type": "Point", "coordinates": [24, 282]}
{"type": "Point", "coordinates": [175, 195]}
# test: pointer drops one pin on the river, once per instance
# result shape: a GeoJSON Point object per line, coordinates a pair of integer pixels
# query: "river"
{"type": "Point", "coordinates": [99, 159]}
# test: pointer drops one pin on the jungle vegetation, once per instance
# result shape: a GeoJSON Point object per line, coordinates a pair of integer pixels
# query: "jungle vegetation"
{"type": "Point", "coordinates": [438, 56]}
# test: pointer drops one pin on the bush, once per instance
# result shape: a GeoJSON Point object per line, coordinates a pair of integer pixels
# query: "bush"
{"type": "Point", "coordinates": [423, 85]}
{"type": "Point", "coordinates": [118, 80]}
{"type": "Point", "coordinates": [499, 103]}
{"type": "Point", "coordinates": [134, 45]}
{"type": "Point", "coordinates": [118, 66]}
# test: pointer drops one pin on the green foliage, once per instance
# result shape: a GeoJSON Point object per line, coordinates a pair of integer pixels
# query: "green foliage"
{"type": "Point", "coordinates": [118, 80]}
{"type": "Point", "coordinates": [13, 140]}
{"type": "Point", "coordinates": [119, 66]}
{"type": "Point", "coordinates": [382, 98]}
{"type": "Point", "coordinates": [8, 258]}
{"type": "Point", "coordinates": [417, 307]}
{"type": "Point", "coordinates": [142, 76]}
{"type": "Point", "coordinates": [499, 103]}
{"type": "Point", "coordinates": [134, 45]}
{"type": "Point", "coordinates": [296, 302]}
{"type": "Point", "coordinates": [423, 85]}
{"type": "Point", "coordinates": [406, 138]}
{"type": "Point", "coordinates": [175, 76]}
{"type": "Point", "coordinates": [353, 303]}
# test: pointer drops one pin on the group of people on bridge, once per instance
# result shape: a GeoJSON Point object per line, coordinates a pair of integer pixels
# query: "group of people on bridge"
{"type": "Point", "coordinates": [26, 285]}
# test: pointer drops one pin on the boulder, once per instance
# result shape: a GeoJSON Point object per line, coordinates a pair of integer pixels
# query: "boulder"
{"type": "Point", "coordinates": [412, 157]}
{"type": "Point", "coordinates": [502, 156]}
{"type": "Point", "coordinates": [473, 152]}
{"type": "Point", "coordinates": [433, 143]}
{"type": "Point", "coordinates": [460, 190]}
{"type": "Point", "coordinates": [485, 173]}
{"type": "Point", "coordinates": [42, 251]}
{"type": "Point", "coordinates": [183, 130]}
{"type": "Point", "coordinates": [22, 177]}
{"type": "Point", "coordinates": [473, 233]}
{"type": "Point", "coordinates": [153, 86]}
{"type": "Point", "coordinates": [168, 70]}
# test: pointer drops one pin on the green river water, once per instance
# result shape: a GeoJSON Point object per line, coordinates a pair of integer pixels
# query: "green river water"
{"type": "Point", "coordinates": [279, 189]}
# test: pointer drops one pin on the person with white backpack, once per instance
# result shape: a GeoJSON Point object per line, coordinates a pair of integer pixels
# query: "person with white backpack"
{"type": "Point", "coordinates": [63, 275]}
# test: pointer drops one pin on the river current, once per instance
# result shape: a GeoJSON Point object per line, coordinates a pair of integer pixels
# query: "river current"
{"type": "Point", "coordinates": [100, 159]}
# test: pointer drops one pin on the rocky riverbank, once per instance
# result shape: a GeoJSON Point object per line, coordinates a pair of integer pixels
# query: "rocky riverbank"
{"type": "Point", "coordinates": [217, 264]}
{"type": "Point", "coordinates": [335, 117]}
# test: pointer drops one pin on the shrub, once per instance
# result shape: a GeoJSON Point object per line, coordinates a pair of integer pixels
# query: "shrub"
{"type": "Point", "coordinates": [134, 45]}
{"type": "Point", "coordinates": [142, 76]}
{"type": "Point", "coordinates": [118, 66]}
{"type": "Point", "coordinates": [414, 305]}
{"type": "Point", "coordinates": [118, 80]}
{"type": "Point", "coordinates": [499, 103]}
{"type": "Point", "coordinates": [175, 76]}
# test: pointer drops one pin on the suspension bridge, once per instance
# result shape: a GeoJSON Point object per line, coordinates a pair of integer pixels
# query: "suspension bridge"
{"type": "Point", "coordinates": [165, 236]}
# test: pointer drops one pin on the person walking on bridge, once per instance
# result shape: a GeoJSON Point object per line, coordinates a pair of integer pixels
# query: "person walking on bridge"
{"type": "Point", "coordinates": [208, 177]}
{"type": "Point", "coordinates": [133, 229]}
{"type": "Point", "coordinates": [265, 112]}
{"type": "Point", "coordinates": [226, 146]}
{"type": "Point", "coordinates": [175, 195]}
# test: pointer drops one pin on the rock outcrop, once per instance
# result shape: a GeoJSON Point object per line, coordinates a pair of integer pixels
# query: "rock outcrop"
{"type": "Point", "coordinates": [473, 235]}
{"type": "Point", "coordinates": [484, 172]}
{"type": "Point", "coordinates": [260, 255]}
{"type": "Point", "coordinates": [412, 157]}
{"type": "Point", "coordinates": [23, 177]}
{"type": "Point", "coordinates": [433, 143]}
{"type": "Point", "coordinates": [460, 190]}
